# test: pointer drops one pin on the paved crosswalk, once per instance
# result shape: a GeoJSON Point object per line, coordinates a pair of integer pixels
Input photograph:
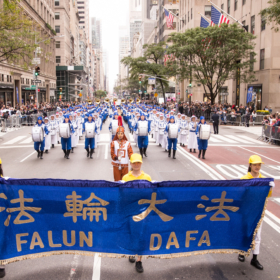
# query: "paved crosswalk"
{"type": "Point", "coordinates": [215, 139]}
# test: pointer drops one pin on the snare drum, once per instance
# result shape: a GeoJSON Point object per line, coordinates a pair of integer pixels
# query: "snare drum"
{"type": "Point", "coordinates": [37, 134]}
{"type": "Point", "coordinates": [64, 130]}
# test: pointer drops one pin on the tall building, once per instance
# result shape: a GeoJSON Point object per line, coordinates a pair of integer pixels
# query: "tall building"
{"type": "Point", "coordinates": [83, 9]}
{"type": "Point", "coordinates": [266, 85]}
{"type": "Point", "coordinates": [135, 19]}
{"type": "Point", "coordinates": [124, 50]}
{"type": "Point", "coordinates": [96, 33]}
{"type": "Point", "coordinates": [15, 81]}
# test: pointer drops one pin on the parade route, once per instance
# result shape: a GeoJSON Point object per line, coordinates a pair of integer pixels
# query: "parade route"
{"type": "Point", "coordinates": [227, 160]}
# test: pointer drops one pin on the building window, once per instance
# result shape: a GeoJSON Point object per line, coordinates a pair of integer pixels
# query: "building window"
{"type": "Point", "coordinates": [235, 4]}
{"type": "Point", "coordinates": [57, 59]}
{"type": "Point", "coordinates": [207, 11]}
{"type": "Point", "coordinates": [251, 62]}
{"type": "Point", "coordinates": [228, 6]}
{"type": "Point", "coordinates": [57, 28]}
{"type": "Point", "coordinates": [253, 24]}
{"type": "Point", "coordinates": [57, 44]}
{"type": "Point", "coordinates": [188, 16]}
{"type": "Point", "coordinates": [222, 7]}
{"type": "Point", "coordinates": [191, 13]}
{"type": "Point", "coordinates": [2, 77]}
{"type": "Point", "coordinates": [262, 59]}
{"type": "Point", "coordinates": [56, 2]}
{"type": "Point", "coordinates": [57, 15]}
{"type": "Point", "coordinates": [243, 2]}
{"type": "Point", "coordinates": [262, 23]}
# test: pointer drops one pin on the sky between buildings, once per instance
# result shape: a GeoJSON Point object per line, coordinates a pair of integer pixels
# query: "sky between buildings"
{"type": "Point", "coordinates": [112, 13]}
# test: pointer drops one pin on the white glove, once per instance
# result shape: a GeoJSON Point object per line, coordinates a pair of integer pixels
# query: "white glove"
{"type": "Point", "coordinates": [6, 178]}
{"type": "Point", "coordinates": [272, 184]}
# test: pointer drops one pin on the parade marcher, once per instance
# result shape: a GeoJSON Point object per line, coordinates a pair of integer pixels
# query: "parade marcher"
{"type": "Point", "coordinates": [173, 132]}
{"type": "Point", "coordinates": [53, 130]}
{"type": "Point", "coordinates": [161, 127]}
{"type": "Point", "coordinates": [90, 142]}
{"type": "Point", "coordinates": [114, 125]}
{"type": "Point", "coordinates": [47, 136]}
{"type": "Point", "coordinates": [121, 152]}
{"type": "Point", "coordinates": [202, 144]}
{"type": "Point", "coordinates": [66, 142]}
{"type": "Point", "coordinates": [255, 163]}
{"type": "Point", "coordinates": [136, 174]}
{"type": "Point", "coordinates": [192, 141]}
{"type": "Point", "coordinates": [183, 136]}
{"type": "Point", "coordinates": [165, 137]}
{"type": "Point", "coordinates": [73, 134]}
{"type": "Point", "coordinates": [143, 127]}
{"type": "Point", "coordinates": [40, 146]}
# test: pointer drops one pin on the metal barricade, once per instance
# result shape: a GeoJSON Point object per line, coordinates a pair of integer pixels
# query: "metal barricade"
{"type": "Point", "coordinates": [270, 134]}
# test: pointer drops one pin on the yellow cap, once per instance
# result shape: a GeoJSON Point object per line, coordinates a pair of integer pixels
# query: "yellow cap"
{"type": "Point", "coordinates": [255, 159]}
{"type": "Point", "coordinates": [0, 161]}
{"type": "Point", "coordinates": [135, 158]}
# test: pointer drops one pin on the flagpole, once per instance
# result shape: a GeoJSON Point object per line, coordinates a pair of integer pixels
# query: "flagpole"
{"type": "Point", "coordinates": [172, 13]}
{"type": "Point", "coordinates": [226, 13]}
{"type": "Point", "coordinates": [205, 18]}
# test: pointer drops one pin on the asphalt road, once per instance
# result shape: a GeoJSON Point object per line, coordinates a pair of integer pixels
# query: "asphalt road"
{"type": "Point", "coordinates": [226, 158]}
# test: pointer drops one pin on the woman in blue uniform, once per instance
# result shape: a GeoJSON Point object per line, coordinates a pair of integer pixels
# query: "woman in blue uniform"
{"type": "Point", "coordinates": [89, 142]}
{"type": "Point", "coordinates": [66, 142]}
{"type": "Point", "coordinates": [202, 144]}
{"type": "Point", "coordinates": [172, 141]}
{"type": "Point", "coordinates": [40, 146]}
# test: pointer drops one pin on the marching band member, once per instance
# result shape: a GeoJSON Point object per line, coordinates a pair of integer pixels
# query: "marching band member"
{"type": "Point", "coordinates": [165, 137]}
{"type": "Point", "coordinates": [40, 146]}
{"type": "Point", "coordinates": [66, 142]}
{"type": "Point", "coordinates": [58, 120]}
{"type": "Point", "coordinates": [134, 122]}
{"type": "Point", "coordinates": [183, 136]}
{"type": "Point", "coordinates": [202, 144]}
{"type": "Point", "coordinates": [47, 136]}
{"type": "Point", "coordinates": [173, 131]}
{"type": "Point", "coordinates": [255, 163]}
{"type": "Point", "coordinates": [192, 141]}
{"type": "Point", "coordinates": [156, 119]}
{"type": "Point", "coordinates": [73, 134]}
{"type": "Point", "coordinates": [161, 127]}
{"type": "Point", "coordinates": [121, 152]}
{"type": "Point", "coordinates": [54, 129]}
{"type": "Point", "coordinates": [143, 127]}
{"type": "Point", "coordinates": [114, 125]}
{"type": "Point", "coordinates": [90, 142]}
{"type": "Point", "coordinates": [80, 122]}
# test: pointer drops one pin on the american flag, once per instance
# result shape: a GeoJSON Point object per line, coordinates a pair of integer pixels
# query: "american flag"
{"type": "Point", "coordinates": [168, 57]}
{"type": "Point", "coordinates": [217, 18]}
{"type": "Point", "coordinates": [204, 23]}
{"type": "Point", "coordinates": [169, 19]}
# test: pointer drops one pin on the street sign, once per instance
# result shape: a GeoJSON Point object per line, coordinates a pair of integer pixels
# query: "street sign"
{"type": "Point", "coordinates": [33, 87]}
{"type": "Point", "coordinates": [36, 60]}
{"type": "Point", "coordinates": [151, 81]}
{"type": "Point", "coordinates": [36, 81]}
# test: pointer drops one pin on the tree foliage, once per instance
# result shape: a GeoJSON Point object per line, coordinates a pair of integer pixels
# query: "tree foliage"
{"type": "Point", "coordinates": [17, 33]}
{"type": "Point", "coordinates": [272, 13]}
{"type": "Point", "coordinates": [213, 55]}
{"type": "Point", "coordinates": [100, 93]}
{"type": "Point", "coordinates": [151, 64]}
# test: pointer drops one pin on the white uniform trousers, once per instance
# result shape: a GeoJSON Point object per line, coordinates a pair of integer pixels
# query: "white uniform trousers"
{"type": "Point", "coordinates": [54, 139]}
{"type": "Point", "coordinates": [256, 251]}
{"type": "Point", "coordinates": [48, 141]}
{"type": "Point", "coordinates": [183, 138]}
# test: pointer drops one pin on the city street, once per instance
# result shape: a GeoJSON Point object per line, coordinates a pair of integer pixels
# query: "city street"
{"type": "Point", "coordinates": [226, 158]}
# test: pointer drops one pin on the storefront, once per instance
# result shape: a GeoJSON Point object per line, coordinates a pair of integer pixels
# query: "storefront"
{"type": "Point", "coordinates": [223, 95]}
{"type": "Point", "coordinates": [256, 99]}
{"type": "Point", "coordinates": [6, 95]}
{"type": "Point", "coordinates": [27, 95]}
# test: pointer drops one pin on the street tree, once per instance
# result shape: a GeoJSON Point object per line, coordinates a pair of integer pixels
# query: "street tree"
{"type": "Point", "coordinates": [17, 33]}
{"type": "Point", "coordinates": [100, 93]}
{"type": "Point", "coordinates": [151, 64]}
{"type": "Point", "coordinates": [271, 14]}
{"type": "Point", "coordinates": [211, 56]}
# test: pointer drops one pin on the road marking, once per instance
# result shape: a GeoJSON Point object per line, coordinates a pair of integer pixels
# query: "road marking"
{"type": "Point", "coordinates": [201, 163]}
{"type": "Point", "coordinates": [104, 137]}
{"type": "Point", "coordinates": [277, 199]}
{"type": "Point", "coordinates": [275, 167]}
{"type": "Point", "coordinates": [96, 267]}
{"type": "Point", "coordinates": [272, 224]}
{"type": "Point", "coordinates": [250, 139]}
{"type": "Point", "coordinates": [28, 156]}
{"type": "Point", "coordinates": [74, 265]}
{"type": "Point", "coordinates": [106, 151]}
{"type": "Point", "coordinates": [276, 219]}
{"type": "Point", "coordinates": [13, 141]}
{"type": "Point", "coordinates": [220, 137]}
{"type": "Point", "coordinates": [239, 140]}
{"type": "Point", "coordinates": [254, 153]}
{"type": "Point", "coordinates": [222, 167]}
{"type": "Point", "coordinates": [27, 141]}
{"type": "Point", "coordinates": [212, 139]}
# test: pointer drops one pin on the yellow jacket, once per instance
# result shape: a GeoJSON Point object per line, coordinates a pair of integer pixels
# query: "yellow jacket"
{"type": "Point", "coordinates": [130, 177]}
{"type": "Point", "coordinates": [249, 176]}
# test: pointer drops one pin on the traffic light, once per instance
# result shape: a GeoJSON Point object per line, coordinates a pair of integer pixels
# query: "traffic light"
{"type": "Point", "coordinates": [37, 71]}
{"type": "Point", "coordinates": [145, 91]}
{"type": "Point", "coordinates": [140, 79]}
{"type": "Point", "coordinates": [190, 85]}
{"type": "Point", "coordinates": [60, 89]}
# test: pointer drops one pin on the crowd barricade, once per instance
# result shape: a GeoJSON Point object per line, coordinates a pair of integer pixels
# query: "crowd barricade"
{"type": "Point", "coordinates": [30, 120]}
{"type": "Point", "coordinates": [50, 113]}
{"type": "Point", "coordinates": [270, 134]}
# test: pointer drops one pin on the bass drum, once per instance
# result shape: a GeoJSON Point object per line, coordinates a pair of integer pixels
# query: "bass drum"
{"type": "Point", "coordinates": [37, 134]}
{"type": "Point", "coordinates": [64, 130]}
{"type": "Point", "coordinates": [142, 128]}
{"type": "Point", "coordinates": [204, 131]}
{"type": "Point", "coordinates": [114, 126]}
{"type": "Point", "coordinates": [173, 131]}
{"type": "Point", "coordinates": [90, 130]}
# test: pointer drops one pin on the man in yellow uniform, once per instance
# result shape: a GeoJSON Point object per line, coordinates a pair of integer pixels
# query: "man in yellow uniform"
{"type": "Point", "coordinates": [136, 174]}
{"type": "Point", "coordinates": [255, 163]}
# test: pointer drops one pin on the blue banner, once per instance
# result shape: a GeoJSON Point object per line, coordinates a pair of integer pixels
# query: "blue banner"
{"type": "Point", "coordinates": [249, 94]}
{"type": "Point", "coordinates": [49, 216]}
